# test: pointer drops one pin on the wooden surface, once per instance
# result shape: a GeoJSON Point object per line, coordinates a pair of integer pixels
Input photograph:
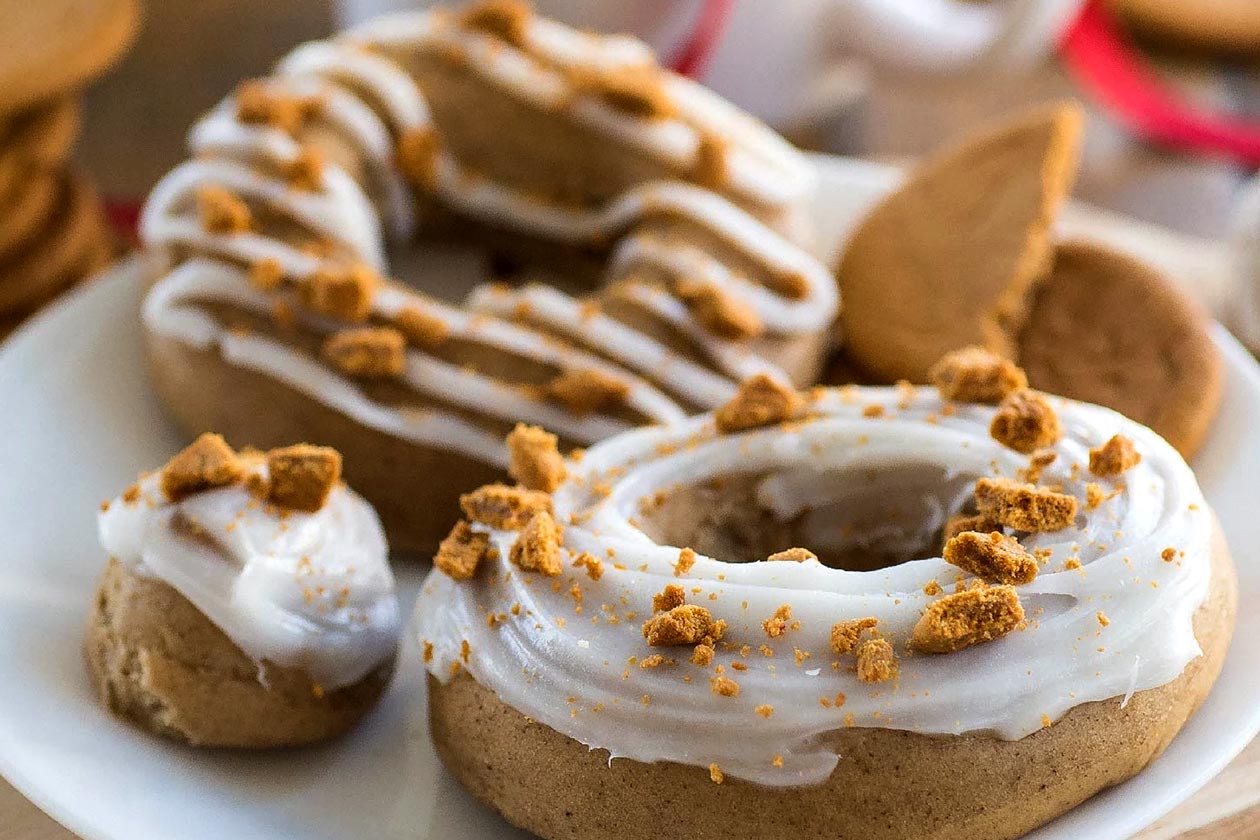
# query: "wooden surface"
{"type": "Point", "coordinates": [188, 55]}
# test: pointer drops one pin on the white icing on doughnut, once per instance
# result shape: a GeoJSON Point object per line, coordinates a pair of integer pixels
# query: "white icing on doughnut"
{"type": "Point", "coordinates": [171, 310]}
{"type": "Point", "coordinates": [306, 590]}
{"type": "Point", "coordinates": [536, 659]}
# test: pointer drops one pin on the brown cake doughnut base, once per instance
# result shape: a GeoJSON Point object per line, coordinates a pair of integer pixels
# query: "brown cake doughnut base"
{"type": "Point", "coordinates": [889, 785]}
{"type": "Point", "coordinates": [1108, 329]}
{"type": "Point", "coordinates": [158, 661]}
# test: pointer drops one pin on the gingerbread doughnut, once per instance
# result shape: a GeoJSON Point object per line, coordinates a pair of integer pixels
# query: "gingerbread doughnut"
{"type": "Point", "coordinates": [247, 602]}
{"type": "Point", "coordinates": [746, 624]}
{"type": "Point", "coordinates": [269, 317]}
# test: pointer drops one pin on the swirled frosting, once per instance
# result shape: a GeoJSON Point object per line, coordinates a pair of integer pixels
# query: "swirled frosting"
{"type": "Point", "coordinates": [1109, 614]}
{"type": "Point", "coordinates": [304, 590]}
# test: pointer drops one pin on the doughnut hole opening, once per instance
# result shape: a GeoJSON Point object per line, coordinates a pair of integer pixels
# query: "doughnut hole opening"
{"type": "Point", "coordinates": [859, 519]}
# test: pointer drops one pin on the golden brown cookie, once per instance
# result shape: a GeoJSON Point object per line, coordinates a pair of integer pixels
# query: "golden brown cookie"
{"type": "Point", "coordinates": [37, 139]}
{"type": "Point", "coordinates": [158, 661]}
{"type": "Point", "coordinates": [52, 46]}
{"type": "Point", "coordinates": [1216, 25]}
{"type": "Point", "coordinates": [26, 209]}
{"type": "Point", "coordinates": [1109, 329]}
{"type": "Point", "coordinates": [889, 784]}
{"type": "Point", "coordinates": [68, 246]}
{"type": "Point", "coordinates": [949, 259]}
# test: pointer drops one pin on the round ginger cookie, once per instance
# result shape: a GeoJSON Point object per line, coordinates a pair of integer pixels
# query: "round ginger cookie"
{"type": "Point", "coordinates": [888, 785]}
{"type": "Point", "coordinates": [1108, 329]}
{"type": "Point", "coordinates": [53, 46]}
{"type": "Point", "coordinates": [1231, 26]}
{"type": "Point", "coordinates": [39, 138]}
{"type": "Point", "coordinates": [949, 259]}
{"type": "Point", "coordinates": [158, 661]}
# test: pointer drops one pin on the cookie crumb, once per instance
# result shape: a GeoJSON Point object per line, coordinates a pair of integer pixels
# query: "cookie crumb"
{"type": "Point", "coordinates": [956, 525]}
{"type": "Point", "coordinates": [505, 19]}
{"type": "Point", "coordinates": [976, 375]}
{"type": "Point", "coordinates": [793, 555]}
{"type": "Point", "coordinates": [537, 546]}
{"type": "Point", "coordinates": [776, 625]}
{"type": "Point", "coordinates": [1024, 506]}
{"type": "Point", "coordinates": [635, 90]}
{"type": "Point", "coordinates": [971, 617]}
{"type": "Point", "coordinates": [584, 391]}
{"type": "Point", "coordinates": [593, 565]}
{"type": "Point", "coordinates": [367, 352]}
{"type": "Point", "coordinates": [718, 312]}
{"type": "Point", "coordinates": [422, 329]}
{"type": "Point", "coordinates": [724, 687]}
{"type": "Point", "coordinates": [876, 661]}
{"type": "Point", "coordinates": [534, 458]}
{"type": "Point", "coordinates": [1168, 554]}
{"type": "Point", "coordinates": [306, 171]}
{"type": "Point", "coordinates": [257, 105]}
{"type": "Point", "coordinates": [702, 655]}
{"type": "Point", "coordinates": [715, 774]}
{"type": "Point", "coordinates": [1102, 619]}
{"type": "Point", "coordinates": [1037, 463]}
{"type": "Point", "coordinates": [765, 710]}
{"type": "Point", "coordinates": [1095, 495]}
{"type": "Point", "coordinates": [344, 293]}
{"type": "Point", "coordinates": [1114, 457]}
{"type": "Point", "coordinates": [221, 211]}
{"type": "Point", "coordinates": [205, 463]}
{"type": "Point", "coordinates": [461, 552]}
{"type": "Point", "coordinates": [671, 596]}
{"type": "Point", "coordinates": [992, 557]}
{"type": "Point", "coordinates": [686, 559]}
{"type": "Point", "coordinates": [301, 477]}
{"type": "Point", "coordinates": [417, 156]}
{"type": "Point", "coordinates": [503, 507]}
{"type": "Point", "coordinates": [710, 167]}
{"type": "Point", "coordinates": [845, 634]}
{"type": "Point", "coordinates": [761, 401]}
{"type": "Point", "coordinates": [686, 624]}
{"type": "Point", "coordinates": [266, 275]}
{"type": "Point", "coordinates": [1025, 421]}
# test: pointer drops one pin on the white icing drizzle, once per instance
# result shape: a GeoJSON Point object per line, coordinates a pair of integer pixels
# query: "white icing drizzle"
{"type": "Point", "coordinates": [547, 653]}
{"type": "Point", "coordinates": [172, 310]}
{"type": "Point", "coordinates": [306, 590]}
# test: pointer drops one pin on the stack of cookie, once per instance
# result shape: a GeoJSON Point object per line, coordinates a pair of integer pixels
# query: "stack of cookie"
{"type": "Point", "coordinates": [52, 228]}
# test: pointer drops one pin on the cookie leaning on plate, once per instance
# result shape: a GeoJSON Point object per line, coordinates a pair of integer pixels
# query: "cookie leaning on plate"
{"type": "Point", "coordinates": [685, 651]}
{"type": "Point", "coordinates": [247, 601]}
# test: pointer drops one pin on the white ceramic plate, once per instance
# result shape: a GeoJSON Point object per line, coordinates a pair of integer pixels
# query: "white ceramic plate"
{"type": "Point", "coordinates": [77, 421]}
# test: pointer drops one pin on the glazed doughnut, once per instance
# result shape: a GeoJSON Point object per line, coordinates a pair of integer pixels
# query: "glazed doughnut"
{"type": "Point", "coordinates": [759, 598]}
{"type": "Point", "coordinates": [269, 245]}
{"type": "Point", "coordinates": [248, 600]}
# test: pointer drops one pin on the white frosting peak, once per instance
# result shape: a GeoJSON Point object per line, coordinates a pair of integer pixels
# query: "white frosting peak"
{"type": "Point", "coordinates": [305, 590]}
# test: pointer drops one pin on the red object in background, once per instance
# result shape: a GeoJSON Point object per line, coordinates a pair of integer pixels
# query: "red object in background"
{"type": "Point", "coordinates": [696, 51]}
{"type": "Point", "coordinates": [1111, 71]}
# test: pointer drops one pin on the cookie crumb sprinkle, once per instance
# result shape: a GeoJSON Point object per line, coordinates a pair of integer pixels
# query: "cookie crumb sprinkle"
{"type": "Point", "coordinates": [724, 687]}
{"type": "Point", "coordinates": [221, 211]}
{"type": "Point", "coordinates": [993, 557]}
{"type": "Point", "coordinates": [367, 352]}
{"type": "Point", "coordinates": [534, 458]}
{"type": "Point", "coordinates": [301, 477]}
{"type": "Point", "coordinates": [845, 634]}
{"type": "Point", "coordinates": [686, 559]}
{"type": "Point", "coordinates": [344, 293]}
{"type": "Point", "coordinates": [1114, 457]}
{"type": "Point", "coordinates": [1024, 507]}
{"type": "Point", "coordinates": [793, 555]}
{"type": "Point", "coordinates": [765, 710]}
{"type": "Point", "coordinates": [718, 312]}
{"type": "Point", "coordinates": [584, 391]}
{"type": "Point", "coordinates": [959, 523]}
{"type": "Point", "coordinates": [461, 552]}
{"type": "Point", "coordinates": [505, 19]}
{"type": "Point", "coordinates": [1025, 422]}
{"type": "Point", "coordinates": [876, 661]}
{"type": "Point", "coordinates": [422, 329]}
{"type": "Point", "coordinates": [206, 463]}
{"type": "Point", "coordinates": [976, 375]}
{"type": "Point", "coordinates": [671, 596]}
{"type": "Point", "coordinates": [537, 547]}
{"type": "Point", "coordinates": [715, 774]}
{"type": "Point", "coordinates": [967, 618]}
{"type": "Point", "coordinates": [777, 624]}
{"type": "Point", "coordinates": [417, 156]}
{"type": "Point", "coordinates": [761, 401]}
{"type": "Point", "coordinates": [503, 507]}
{"type": "Point", "coordinates": [686, 624]}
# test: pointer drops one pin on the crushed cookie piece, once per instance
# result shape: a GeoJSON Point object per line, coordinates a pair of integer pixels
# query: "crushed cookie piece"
{"type": "Point", "coordinates": [1102, 619]}
{"type": "Point", "coordinates": [710, 167]}
{"type": "Point", "coordinates": [956, 525]}
{"type": "Point", "coordinates": [1025, 421]}
{"type": "Point", "coordinates": [976, 375]}
{"type": "Point", "coordinates": [702, 654]}
{"type": "Point", "coordinates": [715, 774]}
{"type": "Point", "coordinates": [593, 565]}
{"type": "Point", "coordinates": [776, 625]}
{"type": "Point", "coordinates": [300, 477]}
{"type": "Point", "coordinates": [686, 559]}
{"type": "Point", "coordinates": [671, 596]}
{"type": "Point", "coordinates": [654, 661]}
{"type": "Point", "coordinates": [932, 588]}
{"type": "Point", "coordinates": [461, 552]}
{"type": "Point", "coordinates": [306, 171]}
{"type": "Point", "coordinates": [1095, 495]}
{"type": "Point", "coordinates": [417, 156]}
{"type": "Point", "coordinates": [537, 547]}
{"type": "Point", "coordinates": [635, 90]}
{"type": "Point", "coordinates": [266, 275]}
{"type": "Point", "coordinates": [534, 458]}
{"type": "Point", "coordinates": [971, 617]}
{"type": "Point", "coordinates": [1114, 457]}
{"type": "Point", "coordinates": [765, 710]}
{"type": "Point", "coordinates": [221, 211]}
{"type": "Point", "coordinates": [584, 391]}
{"type": "Point", "coordinates": [686, 624]}
{"type": "Point", "coordinates": [761, 401]}
{"type": "Point", "coordinates": [367, 352]}
{"type": "Point", "coordinates": [344, 293]}
{"type": "Point", "coordinates": [1168, 555]}
{"type": "Point", "coordinates": [845, 634]}
{"type": "Point", "coordinates": [1037, 463]}
{"type": "Point", "coordinates": [876, 661]}
{"type": "Point", "coordinates": [993, 557]}
{"type": "Point", "coordinates": [503, 507]}
{"type": "Point", "coordinates": [718, 312]}
{"type": "Point", "coordinates": [793, 555]}
{"type": "Point", "coordinates": [724, 686]}
{"type": "Point", "coordinates": [421, 329]}
{"type": "Point", "coordinates": [505, 19]}
{"type": "Point", "coordinates": [1024, 506]}
{"type": "Point", "coordinates": [205, 463]}
{"type": "Point", "coordinates": [258, 105]}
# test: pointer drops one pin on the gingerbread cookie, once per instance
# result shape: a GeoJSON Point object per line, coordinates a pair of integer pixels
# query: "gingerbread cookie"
{"type": "Point", "coordinates": [950, 258]}
{"type": "Point", "coordinates": [1217, 25]}
{"type": "Point", "coordinates": [1109, 329]}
